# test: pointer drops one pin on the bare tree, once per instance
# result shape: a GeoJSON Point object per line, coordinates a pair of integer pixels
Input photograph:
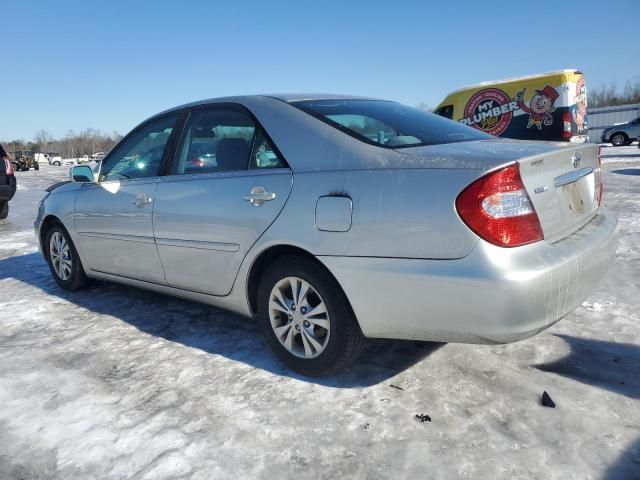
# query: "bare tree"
{"type": "Point", "coordinates": [73, 144]}
{"type": "Point", "coordinates": [42, 139]}
{"type": "Point", "coordinates": [608, 95]}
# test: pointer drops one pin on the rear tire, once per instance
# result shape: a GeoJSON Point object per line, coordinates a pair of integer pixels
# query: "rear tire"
{"type": "Point", "coordinates": [63, 259]}
{"type": "Point", "coordinates": [311, 344]}
{"type": "Point", "coordinates": [36, 166]}
{"type": "Point", "coordinates": [619, 139]}
{"type": "Point", "coordinates": [4, 210]}
{"type": "Point", "coordinates": [57, 164]}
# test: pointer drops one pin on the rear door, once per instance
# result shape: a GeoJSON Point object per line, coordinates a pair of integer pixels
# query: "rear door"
{"type": "Point", "coordinates": [228, 184]}
{"type": "Point", "coordinates": [113, 217]}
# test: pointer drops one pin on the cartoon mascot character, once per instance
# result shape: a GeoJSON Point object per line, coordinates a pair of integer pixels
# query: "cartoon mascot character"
{"type": "Point", "coordinates": [579, 110]}
{"type": "Point", "coordinates": [540, 107]}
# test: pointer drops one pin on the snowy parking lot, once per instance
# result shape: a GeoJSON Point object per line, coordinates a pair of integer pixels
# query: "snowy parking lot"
{"type": "Point", "coordinates": [114, 382]}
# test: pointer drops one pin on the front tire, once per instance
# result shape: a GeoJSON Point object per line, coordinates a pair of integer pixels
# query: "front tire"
{"type": "Point", "coordinates": [36, 166]}
{"type": "Point", "coordinates": [619, 139]}
{"type": "Point", "coordinates": [4, 210]}
{"type": "Point", "coordinates": [63, 259]}
{"type": "Point", "coordinates": [306, 318]}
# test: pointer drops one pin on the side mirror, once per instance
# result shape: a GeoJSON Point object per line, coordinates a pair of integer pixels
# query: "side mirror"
{"type": "Point", "coordinates": [82, 174]}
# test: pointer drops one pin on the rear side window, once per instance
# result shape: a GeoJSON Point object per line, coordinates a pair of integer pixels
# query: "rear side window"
{"type": "Point", "coordinates": [264, 154]}
{"type": "Point", "coordinates": [216, 140]}
{"type": "Point", "coordinates": [222, 139]}
{"type": "Point", "coordinates": [388, 124]}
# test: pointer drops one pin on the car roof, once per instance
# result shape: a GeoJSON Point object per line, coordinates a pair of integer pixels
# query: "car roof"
{"type": "Point", "coordinates": [285, 97]}
{"type": "Point", "coordinates": [296, 97]}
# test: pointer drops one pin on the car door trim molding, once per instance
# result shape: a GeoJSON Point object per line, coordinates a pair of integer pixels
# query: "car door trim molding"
{"type": "Point", "coordinates": [116, 236]}
{"type": "Point", "coordinates": [194, 177]}
{"type": "Point", "coordinates": [220, 246]}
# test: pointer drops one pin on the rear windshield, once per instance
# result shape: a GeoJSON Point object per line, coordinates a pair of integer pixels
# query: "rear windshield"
{"type": "Point", "coordinates": [388, 124]}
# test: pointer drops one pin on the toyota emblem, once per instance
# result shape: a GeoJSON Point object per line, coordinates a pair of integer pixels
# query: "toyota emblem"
{"type": "Point", "coordinates": [577, 158]}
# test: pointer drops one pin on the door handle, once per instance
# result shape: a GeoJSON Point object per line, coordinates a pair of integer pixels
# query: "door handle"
{"type": "Point", "coordinates": [258, 196]}
{"type": "Point", "coordinates": [142, 199]}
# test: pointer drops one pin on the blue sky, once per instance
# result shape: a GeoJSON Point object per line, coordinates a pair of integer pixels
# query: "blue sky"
{"type": "Point", "coordinates": [109, 65]}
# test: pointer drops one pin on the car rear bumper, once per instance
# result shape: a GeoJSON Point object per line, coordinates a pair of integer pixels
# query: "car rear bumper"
{"type": "Point", "coordinates": [493, 295]}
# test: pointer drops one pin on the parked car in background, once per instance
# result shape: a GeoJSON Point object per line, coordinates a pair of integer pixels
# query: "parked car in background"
{"type": "Point", "coordinates": [70, 161]}
{"type": "Point", "coordinates": [96, 157]}
{"type": "Point", "coordinates": [24, 160]}
{"type": "Point", "coordinates": [332, 219]}
{"type": "Point", "coordinates": [41, 158]}
{"type": "Point", "coordinates": [7, 185]}
{"type": "Point", "coordinates": [54, 159]}
{"type": "Point", "coordinates": [622, 134]}
{"type": "Point", "coordinates": [50, 158]}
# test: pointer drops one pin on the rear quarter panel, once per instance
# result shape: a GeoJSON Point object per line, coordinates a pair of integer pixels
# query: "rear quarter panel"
{"type": "Point", "coordinates": [401, 213]}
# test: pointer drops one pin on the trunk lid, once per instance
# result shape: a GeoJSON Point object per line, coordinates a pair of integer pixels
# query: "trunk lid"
{"type": "Point", "coordinates": [475, 155]}
{"type": "Point", "coordinates": [565, 195]}
{"type": "Point", "coordinates": [564, 188]}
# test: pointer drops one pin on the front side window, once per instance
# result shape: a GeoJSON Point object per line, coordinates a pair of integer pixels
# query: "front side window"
{"type": "Point", "coordinates": [140, 155]}
{"type": "Point", "coordinates": [389, 124]}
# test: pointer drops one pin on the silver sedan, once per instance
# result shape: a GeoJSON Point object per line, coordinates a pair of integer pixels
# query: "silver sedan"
{"type": "Point", "coordinates": [332, 219]}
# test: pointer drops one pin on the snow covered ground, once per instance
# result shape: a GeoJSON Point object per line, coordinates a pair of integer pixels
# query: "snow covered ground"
{"type": "Point", "coordinates": [115, 382]}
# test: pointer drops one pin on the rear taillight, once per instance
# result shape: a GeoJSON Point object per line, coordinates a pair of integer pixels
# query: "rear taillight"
{"type": "Point", "coordinates": [8, 166]}
{"type": "Point", "coordinates": [497, 208]}
{"type": "Point", "coordinates": [566, 122]}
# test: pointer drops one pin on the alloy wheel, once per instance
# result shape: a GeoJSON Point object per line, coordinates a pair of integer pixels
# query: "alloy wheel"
{"type": "Point", "coordinates": [299, 317]}
{"type": "Point", "coordinates": [60, 255]}
{"type": "Point", "coordinates": [618, 140]}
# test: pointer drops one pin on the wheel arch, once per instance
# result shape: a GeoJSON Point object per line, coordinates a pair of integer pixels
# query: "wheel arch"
{"type": "Point", "coordinates": [47, 223]}
{"type": "Point", "coordinates": [619, 132]}
{"type": "Point", "coordinates": [266, 258]}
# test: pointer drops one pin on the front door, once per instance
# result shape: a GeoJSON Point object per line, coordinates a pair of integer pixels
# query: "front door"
{"type": "Point", "coordinates": [228, 185]}
{"type": "Point", "coordinates": [113, 217]}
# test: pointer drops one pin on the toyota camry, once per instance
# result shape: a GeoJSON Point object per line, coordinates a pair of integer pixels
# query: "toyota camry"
{"type": "Point", "coordinates": [332, 219]}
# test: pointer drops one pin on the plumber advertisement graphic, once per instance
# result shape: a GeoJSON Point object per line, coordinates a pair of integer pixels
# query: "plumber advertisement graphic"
{"type": "Point", "coordinates": [534, 108]}
{"type": "Point", "coordinates": [492, 110]}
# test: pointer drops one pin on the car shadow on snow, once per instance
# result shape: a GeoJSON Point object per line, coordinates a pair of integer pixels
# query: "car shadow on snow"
{"type": "Point", "coordinates": [210, 329]}
{"type": "Point", "coordinates": [611, 366]}
{"type": "Point", "coordinates": [608, 365]}
{"type": "Point", "coordinates": [627, 171]}
{"type": "Point", "coordinates": [627, 467]}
